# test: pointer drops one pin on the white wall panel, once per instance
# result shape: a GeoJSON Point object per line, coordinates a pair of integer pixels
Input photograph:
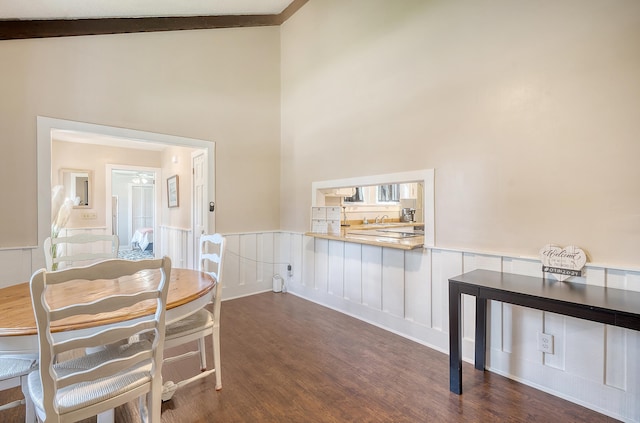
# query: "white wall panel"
{"type": "Point", "coordinates": [617, 279]}
{"type": "Point", "coordinates": [248, 259]}
{"type": "Point", "coordinates": [504, 317]}
{"type": "Point", "coordinates": [265, 257]}
{"type": "Point", "coordinates": [372, 276]}
{"type": "Point", "coordinates": [248, 264]}
{"type": "Point", "coordinates": [632, 281]}
{"type": "Point", "coordinates": [616, 368]}
{"type": "Point", "coordinates": [554, 324]}
{"type": "Point", "coordinates": [175, 244]}
{"type": "Point", "coordinates": [418, 286]}
{"type": "Point", "coordinates": [631, 407]}
{"type": "Point", "coordinates": [445, 264]}
{"type": "Point", "coordinates": [335, 283]}
{"type": "Point", "coordinates": [472, 261]}
{"type": "Point", "coordinates": [522, 266]}
{"type": "Point", "coordinates": [353, 272]}
{"type": "Point", "coordinates": [281, 254]}
{"type": "Point", "coordinates": [620, 343]}
{"type": "Point", "coordinates": [623, 279]}
{"type": "Point", "coordinates": [393, 294]}
{"type": "Point", "coordinates": [520, 337]}
{"type": "Point", "coordinates": [308, 262]}
{"type": "Point", "coordinates": [296, 257]}
{"type": "Point", "coordinates": [289, 252]}
{"type": "Point", "coordinates": [595, 276]}
{"type": "Point", "coordinates": [585, 349]}
{"type": "Point", "coordinates": [321, 274]}
{"type": "Point", "coordinates": [231, 277]}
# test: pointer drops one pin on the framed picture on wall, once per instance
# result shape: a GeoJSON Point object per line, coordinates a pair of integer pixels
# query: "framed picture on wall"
{"type": "Point", "coordinates": [172, 191]}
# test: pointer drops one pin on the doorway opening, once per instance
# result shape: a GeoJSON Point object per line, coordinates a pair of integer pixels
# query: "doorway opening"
{"type": "Point", "coordinates": [134, 207]}
{"type": "Point", "coordinates": [166, 222]}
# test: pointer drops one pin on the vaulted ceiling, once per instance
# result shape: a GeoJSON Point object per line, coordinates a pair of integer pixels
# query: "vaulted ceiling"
{"type": "Point", "coordinates": [55, 18]}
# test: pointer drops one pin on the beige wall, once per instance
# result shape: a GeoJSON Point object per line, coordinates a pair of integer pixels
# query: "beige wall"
{"type": "Point", "coordinates": [177, 217]}
{"type": "Point", "coordinates": [95, 158]}
{"type": "Point", "coordinates": [67, 155]}
{"type": "Point", "coordinates": [527, 111]}
{"type": "Point", "coordinates": [217, 85]}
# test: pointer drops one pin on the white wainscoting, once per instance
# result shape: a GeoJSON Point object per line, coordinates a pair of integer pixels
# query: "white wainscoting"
{"type": "Point", "coordinates": [594, 365]}
{"type": "Point", "coordinates": [17, 265]}
{"type": "Point", "coordinates": [177, 244]}
{"type": "Point", "coordinates": [251, 262]}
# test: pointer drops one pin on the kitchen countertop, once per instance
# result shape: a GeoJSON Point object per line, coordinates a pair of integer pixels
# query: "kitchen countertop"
{"type": "Point", "coordinates": [358, 234]}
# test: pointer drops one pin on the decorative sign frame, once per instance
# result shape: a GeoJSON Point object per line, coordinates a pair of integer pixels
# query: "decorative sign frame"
{"type": "Point", "coordinates": [563, 262]}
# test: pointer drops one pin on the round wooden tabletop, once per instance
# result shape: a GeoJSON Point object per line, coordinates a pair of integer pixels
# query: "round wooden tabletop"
{"type": "Point", "coordinates": [16, 311]}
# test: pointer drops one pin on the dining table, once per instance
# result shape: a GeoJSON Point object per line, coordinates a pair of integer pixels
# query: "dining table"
{"type": "Point", "coordinates": [189, 291]}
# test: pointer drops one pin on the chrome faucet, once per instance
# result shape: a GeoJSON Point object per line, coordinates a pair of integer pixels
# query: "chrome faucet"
{"type": "Point", "coordinates": [382, 219]}
{"type": "Point", "coordinates": [377, 219]}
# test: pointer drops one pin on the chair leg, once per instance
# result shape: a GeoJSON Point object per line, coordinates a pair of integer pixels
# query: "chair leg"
{"type": "Point", "coordinates": [203, 354]}
{"type": "Point", "coordinates": [216, 356]}
{"type": "Point", "coordinates": [143, 407]}
{"type": "Point", "coordinates": [154, 401]}
{"type": "Point", "coordinates": [29, 412]}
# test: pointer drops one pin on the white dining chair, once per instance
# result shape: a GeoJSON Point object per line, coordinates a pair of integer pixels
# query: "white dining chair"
{"type": "Point", "coordinates": [79, 250]}
{"type": "Point", "coordinates": [13, 373]}
{"type": "Point", "coordinates": [203, 322]}
{"type": "Point", "coordinates": [69, 385]}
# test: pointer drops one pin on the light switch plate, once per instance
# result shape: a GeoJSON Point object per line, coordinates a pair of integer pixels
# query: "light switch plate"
{"type": "Point", "coordinates": [88, 215]}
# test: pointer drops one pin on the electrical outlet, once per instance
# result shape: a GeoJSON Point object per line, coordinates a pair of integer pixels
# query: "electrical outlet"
{"type": "Point", "coordinates": [289, 271]}
{"type": "Point", "coordinates": [545, 343]}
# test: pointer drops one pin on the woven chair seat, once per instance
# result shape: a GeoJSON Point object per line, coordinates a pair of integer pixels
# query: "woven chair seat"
{"type": "Point", "coordinates": [91, 392]}
{"type": "Point", "coordinates": [11, 367]}
{"type": "Point", "coordinates": [197, 322]}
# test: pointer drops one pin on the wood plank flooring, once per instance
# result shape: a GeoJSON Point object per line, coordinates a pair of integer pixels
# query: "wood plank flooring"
{"type": "Point", "coordinates": [285, 359]}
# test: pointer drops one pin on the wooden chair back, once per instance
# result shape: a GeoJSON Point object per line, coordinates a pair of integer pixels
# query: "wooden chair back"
{"type": "Point", "coordinates": [56, 301]}
{"type": "Point", "coordinates": [212, 249]}
{"type": "Point", "coordinates": [79, 250]}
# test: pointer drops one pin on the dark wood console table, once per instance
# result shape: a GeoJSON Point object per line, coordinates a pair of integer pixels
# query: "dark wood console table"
{"type": "Point", "coordinates": [615, 307]}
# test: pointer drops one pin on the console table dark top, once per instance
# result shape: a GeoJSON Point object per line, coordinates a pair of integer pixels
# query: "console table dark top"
{"type": "Point", "coordinates": [596, 303]}
{"type": "Point", "coordinates": [517, 288]}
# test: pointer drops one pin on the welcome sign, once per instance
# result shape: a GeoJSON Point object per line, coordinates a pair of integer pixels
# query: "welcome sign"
{"type": "Point", "coordinates": [563, 261]}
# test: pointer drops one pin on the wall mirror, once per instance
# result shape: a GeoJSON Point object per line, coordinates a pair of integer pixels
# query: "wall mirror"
{"type": "Point", "coordinates": [78, 186]}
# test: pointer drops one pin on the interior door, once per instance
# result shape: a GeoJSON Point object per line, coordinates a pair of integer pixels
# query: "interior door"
{"type": "Point", "coordinates": [199, 206]}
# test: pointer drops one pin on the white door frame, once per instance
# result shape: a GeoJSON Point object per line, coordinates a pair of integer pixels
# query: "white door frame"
{"type": "Point", "coordinates": [196, 229]}
{"type": "Point", "coordinates": [44, 127]}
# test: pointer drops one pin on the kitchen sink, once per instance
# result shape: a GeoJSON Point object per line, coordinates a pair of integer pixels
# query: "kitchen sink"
{"type": "Point", "coordinates": [388, 233]}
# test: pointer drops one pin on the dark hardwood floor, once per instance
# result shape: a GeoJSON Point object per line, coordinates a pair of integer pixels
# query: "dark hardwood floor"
{"type": "Point", "coordinates": [285, 359]}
